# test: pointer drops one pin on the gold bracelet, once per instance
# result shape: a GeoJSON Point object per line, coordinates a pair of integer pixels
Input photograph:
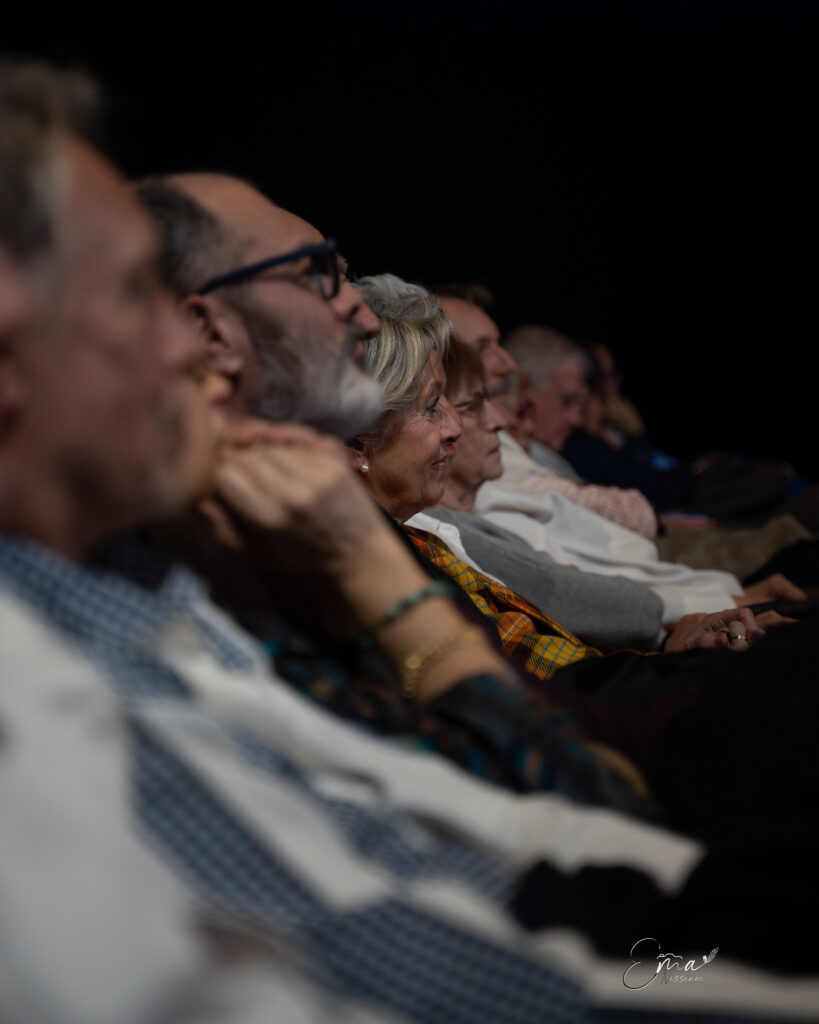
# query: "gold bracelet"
{"type": "Point", "coordinates": [417, 664]}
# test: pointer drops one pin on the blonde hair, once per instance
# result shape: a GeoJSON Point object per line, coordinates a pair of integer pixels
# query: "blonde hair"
{"type": "Point", "coordinates": [413, 327]}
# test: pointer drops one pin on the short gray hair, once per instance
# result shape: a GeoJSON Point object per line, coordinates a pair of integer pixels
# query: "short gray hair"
{"type": "Point", "coordinates": [541, 351]}
{"type": "Point", "coordinates": [413, 327]}
{"type": "Point", "coordinates": [194, 245]}
{"type": "Point", "coordinates": [39, 105]}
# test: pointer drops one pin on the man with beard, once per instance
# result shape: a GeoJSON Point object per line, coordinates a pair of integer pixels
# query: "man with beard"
{"type": "Point", "coordinates": [227, 252]}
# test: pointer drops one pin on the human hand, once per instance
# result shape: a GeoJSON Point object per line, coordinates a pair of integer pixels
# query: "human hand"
{"type": "Point", "coordinates": [289, 496]}
{"type": "Point", "coordinates": [773, 588]}
{"type": "Point", "coordinates": [734, 629]}
{"type": "Point", "coordinates": [770, 619]}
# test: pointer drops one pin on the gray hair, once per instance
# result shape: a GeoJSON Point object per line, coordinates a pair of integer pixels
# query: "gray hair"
{"type": "Point", "coordinates": [541, 351]}
{"type": "Point", "coordinates": [194, 245]}
{"type": "Point", "coordinates": [413, 327]}
{"type": "Point", "coordinates": [300, 381]}
{"type": "Point", "coordinates": [39, 105]}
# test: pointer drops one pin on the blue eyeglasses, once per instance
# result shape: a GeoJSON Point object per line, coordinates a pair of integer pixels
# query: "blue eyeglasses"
{"type": "Point", "coordinates": [323, 270]}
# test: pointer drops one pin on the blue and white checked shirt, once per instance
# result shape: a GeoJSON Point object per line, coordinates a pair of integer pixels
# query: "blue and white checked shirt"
{"type": "Point", "coordinates": [379, 908]}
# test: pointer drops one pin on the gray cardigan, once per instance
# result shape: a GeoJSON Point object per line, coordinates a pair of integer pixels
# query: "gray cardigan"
{"type": "Point", "coordinates": [606, 611]}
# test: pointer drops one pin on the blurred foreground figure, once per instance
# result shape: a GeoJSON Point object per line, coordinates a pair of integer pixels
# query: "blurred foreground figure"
{"type": "Point", "coordinates": [185, 839]}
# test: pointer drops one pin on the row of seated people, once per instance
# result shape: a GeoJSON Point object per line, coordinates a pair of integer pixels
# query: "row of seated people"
{"type": "Point", "coordinates": [567, 412]}
{"type": "Point", "coordinates": [295, 724]}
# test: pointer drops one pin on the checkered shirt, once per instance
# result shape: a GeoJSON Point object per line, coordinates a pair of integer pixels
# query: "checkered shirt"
{"type": "Point", "coordinates": [526, 633]}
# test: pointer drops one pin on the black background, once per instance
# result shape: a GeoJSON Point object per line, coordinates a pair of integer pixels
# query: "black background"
{"type": "Point", "coordinates": [636, 173]}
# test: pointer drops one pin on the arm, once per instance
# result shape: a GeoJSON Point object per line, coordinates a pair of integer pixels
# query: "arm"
{"type": "Point", "coordinates": [295, 506]}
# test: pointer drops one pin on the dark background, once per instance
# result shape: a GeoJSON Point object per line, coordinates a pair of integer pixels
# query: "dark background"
{"type": "Point", "coordinates": [636, 173]}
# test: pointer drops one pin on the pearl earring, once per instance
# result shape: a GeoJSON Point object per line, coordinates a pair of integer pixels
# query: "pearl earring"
{"type": "Point", "coordinates": [365, 466]}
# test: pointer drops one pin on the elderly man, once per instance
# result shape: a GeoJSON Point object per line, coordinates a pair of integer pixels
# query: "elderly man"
{"type": "Point", "coordinates": [475, 328]}
{"type": "Point", "coordinates": [558, 369]}
{"type": "Point", "coordinates": [235, 278]}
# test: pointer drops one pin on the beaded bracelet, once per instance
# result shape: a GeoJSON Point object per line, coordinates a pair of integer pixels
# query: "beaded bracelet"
{"type": "Point", "coordinates": [437, 588]}
{"type": "Point", "coordinates": [417, 664]}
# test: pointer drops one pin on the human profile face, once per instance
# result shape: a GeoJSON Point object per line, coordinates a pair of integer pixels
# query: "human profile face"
{"type": "Point", "coordinates": [279, 305]}
{"type": "Point", "coordinates": [480, 333]}
{"type": "Point", "coordinates": [265, 231]}
{"type": "Point", "coordinates": [108, 364]}
{"type": "Point", "coordinates": [559, 408]}
{"type": "Point", "coordinates": [477, 455]}
{"type": "Point", "coordinates": [408, 471]}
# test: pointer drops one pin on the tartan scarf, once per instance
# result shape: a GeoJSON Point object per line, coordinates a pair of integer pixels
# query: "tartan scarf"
{"type": "Point", "coordinates": [539, 642]}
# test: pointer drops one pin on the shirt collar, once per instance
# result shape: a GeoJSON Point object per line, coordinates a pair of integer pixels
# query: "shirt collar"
{"type": "Point", "coordinates": [101, 605]}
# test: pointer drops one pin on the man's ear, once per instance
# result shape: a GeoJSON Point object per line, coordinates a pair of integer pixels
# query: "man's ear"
{"type": "Point", "coordinates": [223, 333]}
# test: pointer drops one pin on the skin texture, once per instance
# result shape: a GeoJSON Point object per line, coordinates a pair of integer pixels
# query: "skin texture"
{"type": "Point", "coordinates": [408, 471]}
{"type": "Point", "coordinates": [477, 455]}
{"type": "Point", "coordinates": [127, 440]}
{"type": "Point", "coordinates": [281, 301]}
{"type": "Point", "coordinates": [559, 408]}
{"type": "Point", "coordinates": [477, 330]}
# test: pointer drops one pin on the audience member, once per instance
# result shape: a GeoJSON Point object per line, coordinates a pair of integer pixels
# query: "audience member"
{"type": "Point", "coordinates": [606, 612]}
{"type": "Point", "coordinates": [558, 370]}
{"type": "Point", "coordinates": [475, 328]}
{"type": "Point", "coordinates": [405, 463]}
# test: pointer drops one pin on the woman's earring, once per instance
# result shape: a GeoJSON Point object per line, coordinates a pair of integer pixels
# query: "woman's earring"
{"type": "Point", "coordinates": [365, 466]}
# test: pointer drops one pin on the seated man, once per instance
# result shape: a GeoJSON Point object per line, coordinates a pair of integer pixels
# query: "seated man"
{"type": "Point", "coordinates": [557, 369]}
{"type": "Point", "coordinates": [520, 472]}
{"type": "Point", "coordinates": [577, 536]}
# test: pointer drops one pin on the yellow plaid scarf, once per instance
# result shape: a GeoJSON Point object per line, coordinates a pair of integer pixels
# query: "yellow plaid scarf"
{"type": "Point", "coordinates": [526, 633]}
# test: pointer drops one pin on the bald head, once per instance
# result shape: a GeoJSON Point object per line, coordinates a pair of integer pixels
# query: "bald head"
{"type": "Point", "coordinates": [282, 347]}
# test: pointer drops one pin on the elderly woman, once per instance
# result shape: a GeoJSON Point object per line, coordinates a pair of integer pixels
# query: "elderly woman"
{"type": "Point", "coordinates": [608, 612]}
{"type": "Point", "coordinates": [405, 463]}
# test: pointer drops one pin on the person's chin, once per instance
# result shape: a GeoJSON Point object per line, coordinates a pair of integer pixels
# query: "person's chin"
{"type": "Point", "coordinates": [433, 495]}
{"type": "Point", "coordinates": [494, 467]}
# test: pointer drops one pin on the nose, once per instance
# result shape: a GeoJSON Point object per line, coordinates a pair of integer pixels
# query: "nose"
{"type": "Point", "coordinates": [451, 427]}
{"type": "Point", "coordinates": [349, 307]}
{"type": "Point", "coordinates": [494, 417]}
{"type": "Point", "coordinates": [498, 364]}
